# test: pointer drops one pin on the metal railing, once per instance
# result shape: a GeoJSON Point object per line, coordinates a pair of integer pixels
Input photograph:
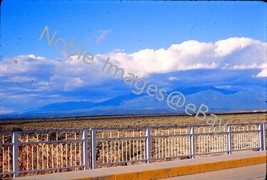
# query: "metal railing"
{"type": "Point", "coordinates": [124, 146]}
{"type": "Point", "coordinates": [39, 151]}
{"type": "Point", "coordinates": [25, 152]}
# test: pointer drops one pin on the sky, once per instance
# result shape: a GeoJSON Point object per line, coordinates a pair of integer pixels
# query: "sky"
{"type": "Point", "coordinates": [173, 44]}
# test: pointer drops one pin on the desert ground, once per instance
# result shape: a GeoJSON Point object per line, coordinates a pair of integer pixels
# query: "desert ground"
{"type": "Point", "coordinates": [125, 121]}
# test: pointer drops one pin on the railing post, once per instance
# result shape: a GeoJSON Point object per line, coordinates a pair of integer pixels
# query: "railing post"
{"type": "Point", "coordinates": [229, 140]}
{"type": "Point", "coordinates": [264, 136]}
{"type": "Point", "coordinates": [15, 151]}
{"type": "Point", "coordinates": [93, 148]}
{"type": "Point", "coordinates": [148, 152]}
{"type": "Point", "coordinates": [261, 137]}
{"type": "Point", "coordinates": [85, 148]}
{"type": "Point", "coordinates": [192, 142]}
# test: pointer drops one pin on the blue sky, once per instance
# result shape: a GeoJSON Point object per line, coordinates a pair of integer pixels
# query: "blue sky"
{"type": "Point", "coordinates": [133, 25]}
{"type": "Point", "coordinates": [174, 44]}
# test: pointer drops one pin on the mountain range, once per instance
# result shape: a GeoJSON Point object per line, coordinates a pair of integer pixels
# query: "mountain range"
{"type": "Point", "coordinates": [217, 99]}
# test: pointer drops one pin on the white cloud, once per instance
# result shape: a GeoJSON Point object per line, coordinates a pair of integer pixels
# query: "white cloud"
{"type": "Point", "coordinates": [103, 35]}
{"type": "Point", "coordinates": [35, 57]}
{"type": "Point", "coordinates": [4, 110]}
{"type": "Point", "coordinates": [228, 46]}
{"type": "Point", "coordinates": [263, 72]}
{"type": "Point", "coordinates": [172, 78]}
{"type": "Point", "coordinates": [36, 80]}
{"type": "Point", "coordinates": [19, 79]}
{"type": "Point", "coordinates": [70, 73]}
{"type": "Point", "coordinates": [44, 74]}
{"type": "Point", "coordinates": [232, 53]}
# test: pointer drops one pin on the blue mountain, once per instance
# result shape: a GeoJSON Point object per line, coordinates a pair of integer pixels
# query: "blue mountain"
{"type": "Point", "coordinates": [217, 99]}
{"type": "Point", "coordinates": [67, 106]}
{"type": "Point", "coordinates": [194, 90]}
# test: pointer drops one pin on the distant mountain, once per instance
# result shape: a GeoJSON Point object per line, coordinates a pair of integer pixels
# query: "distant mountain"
{"type": "Point", "coordinates": [193, 90]}
{"type": "Point", "coordinates": [217, 99]}
{"type": "Point", "coordinates": [120, 99]}
{"type": "Point", "coordinates": [67, 106]}
{"type": "Point", "coordinates": [77, 105]}
{"type": "Point", "coordinates": [117, 101]}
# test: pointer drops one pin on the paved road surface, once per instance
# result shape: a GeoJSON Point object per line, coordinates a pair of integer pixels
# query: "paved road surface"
{"type": "Point", "coordinates": [257, 172]}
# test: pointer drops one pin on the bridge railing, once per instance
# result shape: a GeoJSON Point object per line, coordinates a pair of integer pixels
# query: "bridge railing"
{"type": "Point", "coordinates": [39, 151]}
{"type": "Point", "coordinates": [124, 146]}
{"type": "Point", "coordinates": [26, 152]}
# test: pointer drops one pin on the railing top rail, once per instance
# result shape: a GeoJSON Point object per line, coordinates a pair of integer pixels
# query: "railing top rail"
{"type": "Point", "coordinates": [42, 131]}
{"type": "Point", "coordinates": [168, 127]}
{"type": "Point", "coordinates": [121, 128]}
{"type": "Point", "coordinates": [6, 132]}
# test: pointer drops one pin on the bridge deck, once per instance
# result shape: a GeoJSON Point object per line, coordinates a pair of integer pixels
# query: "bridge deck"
{"type": "Point", "coordinates": [163, 169]}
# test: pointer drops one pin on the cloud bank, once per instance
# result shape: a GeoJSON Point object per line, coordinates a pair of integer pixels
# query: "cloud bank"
{"type": "Point", "coordinates": [36, 80]}
{"type": "Point", "coordinates": [232, 53]}
{"type": "Point", "coordinates": [70, 73]}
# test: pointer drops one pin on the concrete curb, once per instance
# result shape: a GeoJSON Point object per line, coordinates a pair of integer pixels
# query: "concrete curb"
{"type": "Point", "coordinates": [180, 170]}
